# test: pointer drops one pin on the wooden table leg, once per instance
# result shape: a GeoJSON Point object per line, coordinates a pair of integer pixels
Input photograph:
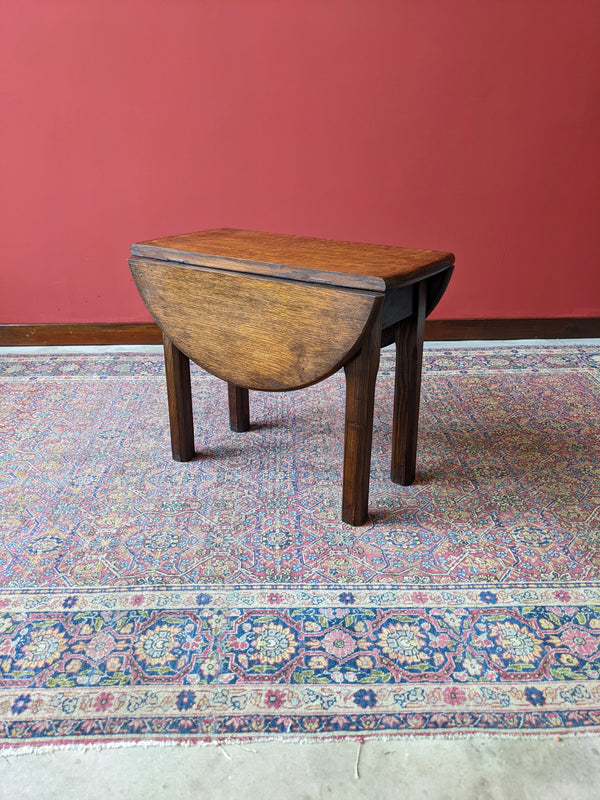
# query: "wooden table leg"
{"type": "Point", "coordinates": [361, 374]}
{"type": "Point", "coordinates": [407, 392]}
{"type": "Point", "coordinates": [239, 408]}
{"type": "Point", "coordinates": [179, 392]}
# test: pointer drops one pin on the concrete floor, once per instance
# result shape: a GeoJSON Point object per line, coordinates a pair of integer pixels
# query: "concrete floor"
{"type": "Point", "coordinates": [471, 768]}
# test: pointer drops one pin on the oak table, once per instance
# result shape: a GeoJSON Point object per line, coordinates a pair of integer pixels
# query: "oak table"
{"type": "Point", "coordinates": [275, 312]}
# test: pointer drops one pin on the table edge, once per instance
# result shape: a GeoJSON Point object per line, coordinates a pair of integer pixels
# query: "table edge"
{"type": "Point", "coordinates": [287, 272]}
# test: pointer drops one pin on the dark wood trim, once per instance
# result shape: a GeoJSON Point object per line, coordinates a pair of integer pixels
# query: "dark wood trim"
{"type": "Point", "coordinates": [551, 328]}
{"type": "Point", "coordinates": [80, 334]}
{"type": "Point", "coordinates": [435, 330]}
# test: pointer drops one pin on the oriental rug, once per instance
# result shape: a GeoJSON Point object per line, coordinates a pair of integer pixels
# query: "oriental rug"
{"type": "Point", "coordinates": [223, 599]}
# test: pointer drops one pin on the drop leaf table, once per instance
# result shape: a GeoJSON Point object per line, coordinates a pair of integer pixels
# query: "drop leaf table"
{"type": "Point", "coordinates": [275, 312]}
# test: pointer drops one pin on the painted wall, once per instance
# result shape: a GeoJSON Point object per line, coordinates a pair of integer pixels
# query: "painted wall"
{"type": "Point", "coordinates": [468, 125]}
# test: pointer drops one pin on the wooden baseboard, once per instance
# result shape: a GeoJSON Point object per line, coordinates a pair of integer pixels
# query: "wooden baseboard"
{"type": "Point", "coordinates": [435, 330]}
{"type": "Point", "coordinates": [80, 334]}
{"type": "Point", "coordinates": [551, 328]}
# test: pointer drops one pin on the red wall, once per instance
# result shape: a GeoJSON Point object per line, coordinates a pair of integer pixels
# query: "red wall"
{"type": "Point", "coordinates": [469, 125]}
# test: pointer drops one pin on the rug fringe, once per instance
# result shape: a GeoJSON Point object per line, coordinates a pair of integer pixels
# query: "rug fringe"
{"type": "Point", "coordinates": [83, 747]}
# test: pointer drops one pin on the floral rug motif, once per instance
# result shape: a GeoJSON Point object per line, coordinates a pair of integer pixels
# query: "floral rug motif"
{"type": "Point", "coordinates": [223, 599]}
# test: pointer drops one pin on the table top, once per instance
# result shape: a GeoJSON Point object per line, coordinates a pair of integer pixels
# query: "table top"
{"type": "Point", "coordinates": [372, 267]}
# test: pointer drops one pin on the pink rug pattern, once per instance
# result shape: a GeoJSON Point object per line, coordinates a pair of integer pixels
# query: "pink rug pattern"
{"type": "Point", "coordinates": [224, 599]}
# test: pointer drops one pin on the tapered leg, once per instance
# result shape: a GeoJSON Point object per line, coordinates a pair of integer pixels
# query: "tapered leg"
{"type": "Point", "coordinates": [179, 391]}
{"type": "Point", "coordinates": [239, 408]}
{"type": "Point", "coordinates": [361, 374]}
{"type": "Point", "coordinates": [407, 393]}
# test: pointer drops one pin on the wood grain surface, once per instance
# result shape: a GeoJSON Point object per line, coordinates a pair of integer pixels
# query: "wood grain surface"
{"type": "Point", "coordinates": [255, 332]}
{"type": "Point", "coordinates": [350, 264]}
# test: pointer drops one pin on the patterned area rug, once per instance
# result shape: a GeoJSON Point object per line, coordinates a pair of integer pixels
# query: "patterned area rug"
{"type": "Point", "coordinates": [223, 599]}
